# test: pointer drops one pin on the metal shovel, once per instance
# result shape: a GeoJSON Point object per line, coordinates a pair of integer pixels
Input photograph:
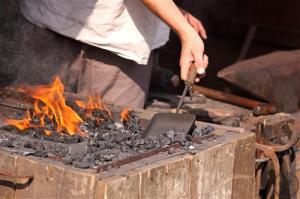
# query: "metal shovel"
{"type": "Point", "coordinates": [164, 122]}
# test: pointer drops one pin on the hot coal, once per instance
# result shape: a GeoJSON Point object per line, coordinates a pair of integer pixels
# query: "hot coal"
{"type": "Point", "coordinates": [107, 141]}
{"type": "Point", "coordinates": [203, 130]}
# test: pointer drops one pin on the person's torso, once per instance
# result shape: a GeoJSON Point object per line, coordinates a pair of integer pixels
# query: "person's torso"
{"type": "Point", "coordinates": [125, 27]}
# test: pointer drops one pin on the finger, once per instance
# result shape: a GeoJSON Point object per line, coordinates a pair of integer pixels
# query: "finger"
{"type": "Point", "coordinates": [201, 70]}
{"type": "Point", "coordinates": [202, 30]}
{"type": "Point", "coordinates": [205, 61]}
{"type": "Point", "coordinates": [185, 64]}
{"type": "Point", "coordinates": [199, 63]}
{"type": "Point", "coordinates": [197, 79]}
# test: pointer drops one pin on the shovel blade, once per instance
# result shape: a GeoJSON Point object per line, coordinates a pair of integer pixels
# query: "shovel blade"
{"type": "Point", "coordinates": [164, 122]}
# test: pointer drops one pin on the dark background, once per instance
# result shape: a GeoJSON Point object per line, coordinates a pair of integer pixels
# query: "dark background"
{"type": "Point", "coordinates": [226, 21]}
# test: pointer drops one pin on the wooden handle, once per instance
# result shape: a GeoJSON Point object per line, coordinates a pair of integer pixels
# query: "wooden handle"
{"type": "Point", "coordinates": [191, 75]}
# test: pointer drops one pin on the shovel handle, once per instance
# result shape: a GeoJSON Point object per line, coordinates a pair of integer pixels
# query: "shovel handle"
{"type": "Point", "coordinates": [191, 75]}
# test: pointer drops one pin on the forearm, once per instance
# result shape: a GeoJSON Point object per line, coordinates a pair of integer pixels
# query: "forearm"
{"type": "Point", "coordinates": [192, 47]}
{"type": "Point", "coordinates": [170, 14]}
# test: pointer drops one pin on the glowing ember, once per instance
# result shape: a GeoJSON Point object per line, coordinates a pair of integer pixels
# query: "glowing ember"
{"type": "Point", "coordinates": [93, 103]}
{"type": "Point", "coordinates": [125, 114]}
{"type": "Point", "coordinates": [48, 133]}
{"type": "Point", "coordinates": [50, 104]}
{"type": "Point", "coordinates": [21, 124]}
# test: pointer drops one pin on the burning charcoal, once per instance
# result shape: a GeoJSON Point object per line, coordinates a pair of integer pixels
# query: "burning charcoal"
{"type": "Point", "coordinates": [122, 156]}
{"type": "Point", "coordinates": [98, 136]}
{"type": "Point", "coordinates": [120, 138]}
{"type": "Point", "coordinates": [92, 149]}
{"type": "Point", "coordinates": [58, 148]}
{"type": "Point", "coordinates": [204, 130]}
{"type": "Point", "coordinates": [37, 146]}
{"type": "Point", "coordinates": [171, 150]}
{"type": "Point", "coordinates": [179, 138]}
{"type": "Point", "coordinates": [170, 134]}
{"type": "Point", "coordinates": [27, 144]}
{"type": "Point", "coordinates": [83, 165]}
{"type": "Point", "coordinates": [67, 160]}
{"type": "Point", "coordinates": [101, 145]}
{"type": "Point", "coordinates": [186, 144]}
{"type": "Point", "coordinates": [189, 137]}
{"type": "Point", "coordinates": [108, 136]}
{"type": "Point", "coordinates": [35, 119]}
{"type": "Point", "coordinates": [123, 148]}
{"type": "Point", "coordinates": [149, 146]}
{"type": "Point", "coordinates": [132, 123]}
{"type": "Point", "coordinates": [111, 126]}
{"type": "Point", "coordinates": [90, 157]}
{"type": "Point", "coordinates": [41, 153]}
{"type": "Point", "coordinates": [92, 142]}
{"type": "Point", "coordinates": [154, 140]}
{"type": "Point", "coordinates": [164, 140]}
{"type": "Point", "coordinates": [28, 152]}
{"type": "Point", "coordinates": [110, 145]}
{"type": "Point", "coordinates": [128, 142]}
{"type": "Point", "coordinates": [107, 157]}
{"type": "Point", "coordinates": [119, 125]}
{"type": "Point", "coordinates": [135, 143]}
{"type": "Point", "coordinates": [138, 142]}
{"type": "Point", "coordinates": [141, 151]}
{"type": "Point", "coordinates": [142, 141]}
{"type": "Point", "coordinates": [7, 143]}
{"type": "Point", "coordinates": [83, 127]}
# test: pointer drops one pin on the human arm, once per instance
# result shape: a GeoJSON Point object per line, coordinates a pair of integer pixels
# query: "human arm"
{"type": "Point", "coordinates": [192, 45]}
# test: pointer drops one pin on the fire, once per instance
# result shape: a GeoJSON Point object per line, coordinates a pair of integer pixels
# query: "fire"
{"type": "Point", "coordinates": [94, 102]}
{"type": "Point", "coordinates": [21, 124]}
{"type": "Point", "coordinates": [50, 104]}
{"type": "Point", "coordinates": [125, 114]}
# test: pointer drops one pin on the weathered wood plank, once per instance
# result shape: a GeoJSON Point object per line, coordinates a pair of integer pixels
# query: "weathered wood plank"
{"type": "Point", "coordinates": [119, 187]}
{"type": "Point", "coordinates": [154, 183]}
{"type": "Point", "coordinates": [244, 169]}
{"type": "Point", "coordinates": [53, 181]}
{"type": "Point", "coordinates": [212, 172]}
{"type": "Point", "coordinates": [178, 179]}
{"type": "Point", "coordinates": [7, 165]}
{"type": "Point", "coordinates": [77, 184]}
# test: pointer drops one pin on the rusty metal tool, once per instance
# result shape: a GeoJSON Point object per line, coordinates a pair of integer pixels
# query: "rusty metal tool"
{"type": "Point", "coordinates": [164, 122]}
{"type": "Point", "coordinates": [188, 85]}
{"type": "Point", "coordinates": [258, 108]}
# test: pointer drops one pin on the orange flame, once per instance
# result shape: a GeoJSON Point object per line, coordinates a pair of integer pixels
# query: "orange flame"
{"type": "Point", "coordinates": [94, 102]}
{"type": "Point", "coordinates": [125, 114]}
{"type": "Point", "coordinates": [21, 124]}
{"type": "Point", "coordinates": [54, 108]}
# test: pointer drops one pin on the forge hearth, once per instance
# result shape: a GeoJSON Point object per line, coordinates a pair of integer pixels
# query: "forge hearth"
{"type": "Point", "coordinates": [176, 170]}
{"type": "Point", "coordinates": [86, 134]}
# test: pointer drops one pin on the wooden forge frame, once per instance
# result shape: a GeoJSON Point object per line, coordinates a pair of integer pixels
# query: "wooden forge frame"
{"type": "Point", "coordinates": [220, 167]}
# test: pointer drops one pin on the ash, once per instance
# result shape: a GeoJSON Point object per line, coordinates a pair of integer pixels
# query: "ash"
{"type": "Point", "coordinates": [107, 141]}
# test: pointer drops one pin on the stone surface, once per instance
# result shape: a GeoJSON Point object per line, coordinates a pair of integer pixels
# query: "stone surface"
{"type": "Point", "coordinates": [273, 77]}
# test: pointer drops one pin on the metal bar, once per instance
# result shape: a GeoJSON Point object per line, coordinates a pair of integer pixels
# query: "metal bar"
{"type": "Point", "coordinates": [270, 152]}
{"type": "Point", "coordinates": [186, 88]}
{"type": "Point", "coordinates": [261, 107]}
{"type": "Point", "coordinates": [149, 154]}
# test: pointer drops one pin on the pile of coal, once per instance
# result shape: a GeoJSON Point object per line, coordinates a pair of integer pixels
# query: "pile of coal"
{"type": "Point", "coordinates": [107, 141]}
{"type": "Point", "coordinates": [203, 130]}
